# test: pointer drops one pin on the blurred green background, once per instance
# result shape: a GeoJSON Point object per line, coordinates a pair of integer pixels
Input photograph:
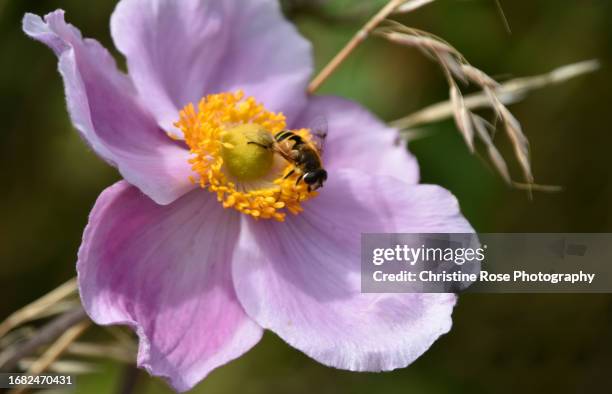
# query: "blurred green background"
{"type": "Point", "coordinates": [499, 343]}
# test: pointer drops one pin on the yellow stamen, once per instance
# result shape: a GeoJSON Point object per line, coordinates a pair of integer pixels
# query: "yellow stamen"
{"type": "Point", "coordinates": [245, 176]}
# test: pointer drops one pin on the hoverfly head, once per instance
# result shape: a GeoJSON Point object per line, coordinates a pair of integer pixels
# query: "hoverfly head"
{"type": "Point", "coordinates": [314, 179]}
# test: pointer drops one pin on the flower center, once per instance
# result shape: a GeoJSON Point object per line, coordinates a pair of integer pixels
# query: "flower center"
{"type": "Point", "coordinates": [243, 157]}
{"type": "Point", "coordinates": [230, 138]}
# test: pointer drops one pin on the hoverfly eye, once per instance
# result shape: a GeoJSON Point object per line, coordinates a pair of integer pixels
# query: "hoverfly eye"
{"type": "Point", "coordinates": [315, 177]}
{"type": "Point", "coordinates": [323, 175]}
{"type": "Point", "coordinates": [310, 178]}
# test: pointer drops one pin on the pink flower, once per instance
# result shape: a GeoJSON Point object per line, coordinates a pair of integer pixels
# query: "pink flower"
{"type": "Point", "coordinates": [183, 250]}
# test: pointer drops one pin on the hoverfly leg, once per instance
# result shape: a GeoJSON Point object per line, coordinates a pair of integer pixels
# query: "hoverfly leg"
{"type": "Point", "coordinates": [267, 147]}
{"type": "Point", "coordinates": [289, 174]}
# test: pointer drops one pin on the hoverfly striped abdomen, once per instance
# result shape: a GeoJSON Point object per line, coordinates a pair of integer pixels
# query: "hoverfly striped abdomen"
{"type": "Point", "coordinates": [288, 135]}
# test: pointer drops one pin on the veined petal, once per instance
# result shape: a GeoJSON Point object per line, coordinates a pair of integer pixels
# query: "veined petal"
{"type": "Point", "coordinates": [358, 140]}
{"type": "Point", "coordinates": [104, 108]}
{"type": "Point", "coordinates": [301, 278]}
{"type": "Point", "coordinates": [178, 51]}
{"type": "Point", "coordinates": [165, 271]}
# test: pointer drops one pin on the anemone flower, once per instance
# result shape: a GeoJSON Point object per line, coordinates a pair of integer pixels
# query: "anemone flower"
{"type": "Point", "coordinates": [210, 239]}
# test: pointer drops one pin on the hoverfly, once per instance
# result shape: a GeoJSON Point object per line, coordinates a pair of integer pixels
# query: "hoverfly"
{"type": "Point", "coordinates": [304, 155]}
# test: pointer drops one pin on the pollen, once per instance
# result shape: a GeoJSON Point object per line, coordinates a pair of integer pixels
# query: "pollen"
{"type": "Point", "coordinates": [227, 136]}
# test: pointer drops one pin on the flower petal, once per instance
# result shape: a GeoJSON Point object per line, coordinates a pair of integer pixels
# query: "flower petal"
{"type": "Point", "coordinates": [301, 278]}
{"type": "Point", "coordinates": [104, 108]}
{"type": "Point", "coordinates": [178, 51]}
{"type": "Point", "coordinates": [357, 139]}
{"type": "Point", "coordinates": [164, 270]}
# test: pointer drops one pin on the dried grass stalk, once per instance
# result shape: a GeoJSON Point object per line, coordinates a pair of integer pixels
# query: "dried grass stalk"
{"type": "Point", "coordinates": [53, 352]}
{"type": "Point", "coordinates": [482, 130]}
{"type": "Point", "coordinates": [40, 307]}
{"type": "Point", "coordinates": [508, 93]}
{"type": "Point", "coordinates": [462, 116]}
{"type": "Point", "coordinates": [411, 5]}
{"type": "Point", "coordinates": [65, 367]}
{"type": "Point", "coordinates": [363, 33]}
{"type": "Point", "coordinates": [456, 67]}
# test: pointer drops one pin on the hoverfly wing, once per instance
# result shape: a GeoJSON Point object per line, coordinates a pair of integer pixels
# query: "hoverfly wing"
{"type": "Point", "coordinates": [318, 131]}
